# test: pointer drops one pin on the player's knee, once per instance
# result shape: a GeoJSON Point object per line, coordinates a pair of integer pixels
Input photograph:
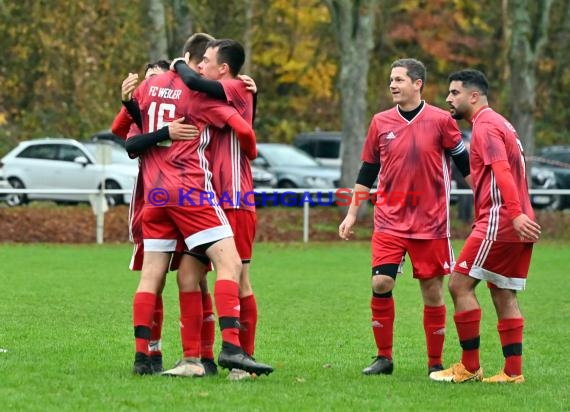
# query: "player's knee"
{"type": "Point", "coordinates": [245, 286]}
{"type": "Point", "coordinates": [232, 266]}
{"type": "Point", "coordinates": [383, 278]}
{"type": "Point", "coordinates": [456, 286]}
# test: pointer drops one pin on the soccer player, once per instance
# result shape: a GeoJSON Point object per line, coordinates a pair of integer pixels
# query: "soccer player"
{"type": "Point", "coordinates": [499, 248]}
{"type": "Point", "coordinates": [407, 147]}
{"type": "Point", "coordinates": [231, 170]}
{"type": "Point", "coordinates": [248, 312]}
{"type": "Point", "coordinates": [176, 130]}
{"type": "Point", "coordinates": [123, 121]}
{"type": "Point", "coordinates": [177, 177]}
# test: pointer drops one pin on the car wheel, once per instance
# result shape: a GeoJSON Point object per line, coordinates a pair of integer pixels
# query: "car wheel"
{"type": "Point", "coordinates": [557, 202]}
{"type": "Point", "coordinates": [16, 199]}
{"type": "Point", "coordinates": [113, 199]}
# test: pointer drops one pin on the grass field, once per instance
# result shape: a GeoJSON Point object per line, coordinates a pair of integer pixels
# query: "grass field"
{"type": "Point", "coordinates": [66, 328]}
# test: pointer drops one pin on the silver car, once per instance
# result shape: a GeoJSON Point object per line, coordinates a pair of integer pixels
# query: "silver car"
{"type": "Point", "coordinates": [67, 164]}
{"type": "Point", "coordinates": [293, 168]}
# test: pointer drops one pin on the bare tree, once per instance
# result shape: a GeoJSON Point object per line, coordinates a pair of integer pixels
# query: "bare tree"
{"type": "Point", "coordinates": [158, 45]}
{"type": "Point", "coordinates": [353, 22]}
{"type": "Point", "coordinates": [182, 26]}
{"type": "Point", "coordinates": [248, 35]}
{"type": "Point", "coordinates": [529, 35]}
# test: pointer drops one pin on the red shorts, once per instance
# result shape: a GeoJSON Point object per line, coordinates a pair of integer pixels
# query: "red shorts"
{"type": "Point", "coordinates": [502, 264]}
{"type": "Point", "coordinates": [243, 225]}
{"type": "Point", "coordinates": [429, 257]}
{"type": "Point", "coordinates": [164, 226]}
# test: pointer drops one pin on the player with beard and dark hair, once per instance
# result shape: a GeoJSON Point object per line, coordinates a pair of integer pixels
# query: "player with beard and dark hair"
{"type": "Point", "coordinates": [499, 248]}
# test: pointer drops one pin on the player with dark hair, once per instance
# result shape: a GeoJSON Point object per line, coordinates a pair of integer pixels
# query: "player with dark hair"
{"type": "Point", "coordinates": [231, 169]}
{"type": "Point", "coordinates": [499, 248]}
{"type": "Point", "coordinates": [407, 147]}
{"type": "Point", "coordinates": [182, 167]}
{"type": "Point", "coordinates": [176, 130]}
{"type": "Point", "coordinates": [123, 120]}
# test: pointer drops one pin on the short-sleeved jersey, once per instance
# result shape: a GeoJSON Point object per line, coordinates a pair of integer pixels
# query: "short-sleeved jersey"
{"type": "Point", "coordinates": [494, 139]}
{"type": "Point", "coordinates": [231, 169]}
{"type": "Point", "coordinates": [414, 179]}
{"type": "Point", "coordinates": [178, 173]}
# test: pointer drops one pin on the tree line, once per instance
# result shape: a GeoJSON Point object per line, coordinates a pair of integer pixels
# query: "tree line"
{"type": "Point", "coordinates": [319, 64]}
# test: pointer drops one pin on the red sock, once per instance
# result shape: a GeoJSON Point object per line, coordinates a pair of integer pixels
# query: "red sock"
{"type": "Point", "coordinates": [190, 322]}
{"type": "Point", "coordinates": [143, 308]}
{"type": "Point", "coordinates": [467, 324]}
{"type": "Point", "coordinates": [208, 327]}
{"type": "Point", "coordinates": [227, 305]}
{"type": "Point", "coordinates": [248, 323]}
{"type": "Point", "coordinates": [156, 329]}
{"type": "Point", "coordinates": [383, 324]}
{"type": "Point", "coordinates": [434, 327]}
{"type": "Point", "coordinates": [511, 331]}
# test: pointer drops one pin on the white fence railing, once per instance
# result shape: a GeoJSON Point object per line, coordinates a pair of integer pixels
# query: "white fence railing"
{"type": "Point", "coordinates": [99, 203]}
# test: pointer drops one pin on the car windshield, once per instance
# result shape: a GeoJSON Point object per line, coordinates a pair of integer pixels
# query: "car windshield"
{"type": "Point", "coordinates": [282, 155]}
{"type": "Point", "coordinates": [118, 154]}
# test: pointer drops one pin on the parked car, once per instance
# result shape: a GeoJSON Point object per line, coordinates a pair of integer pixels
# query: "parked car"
{"type": "Point", "coordinates": [66, 163]}
{"type": "Point", "coordinates": [107, 136]}
{"type": "Point", "coordinates": [262, 179]}
{"type": "Point", "coordinates": [293, 168]}
{"type": "Point", "coordinates": [550, 169]}
{"type": "Point", "coordinates": [326, 147]}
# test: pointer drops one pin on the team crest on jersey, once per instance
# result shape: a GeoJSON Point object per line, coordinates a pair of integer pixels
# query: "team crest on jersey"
{"type": "Point", "coordinates": [390, 136]}
{"type": "Point", "coordinates": [510, 127]}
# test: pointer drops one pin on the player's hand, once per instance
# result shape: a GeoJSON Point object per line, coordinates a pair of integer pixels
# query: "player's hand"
{"type": "Point", "coordinates": [345, 229]}
{"type": "Point", "coordinates": [173, 64]}
{"type": "Point", "coordinates": [249, 83]}
{"type": "Point", "coordinates": [526, 228]}
{"type": "Point", "coordinates": [128, 86]}
{"type": "Point", "coordinates": [181, 131]}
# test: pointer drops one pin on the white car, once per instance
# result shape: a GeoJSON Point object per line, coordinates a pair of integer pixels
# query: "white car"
{"type": "Point", "coordinates": [56, 163]}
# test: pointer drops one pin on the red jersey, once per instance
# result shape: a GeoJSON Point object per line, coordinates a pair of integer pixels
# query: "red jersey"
{"type": "Point", "coordinates": [231, 169]}
{"type": "Point", "coordinates": [414, 179]}
{"type": "Point", "coordinates": [177, 172]}
{"type": "Point", "coordinates": [494, 139]}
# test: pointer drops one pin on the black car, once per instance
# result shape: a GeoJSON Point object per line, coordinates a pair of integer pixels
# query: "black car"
{"type": "Point", "coordinates": [550, 169]}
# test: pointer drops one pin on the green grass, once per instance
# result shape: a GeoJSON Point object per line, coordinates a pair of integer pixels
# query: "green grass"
{"type": "Point", "coordinates": [66, 323]}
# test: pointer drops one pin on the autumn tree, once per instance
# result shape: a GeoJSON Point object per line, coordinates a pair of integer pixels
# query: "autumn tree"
{"type": "Point", "coordinates": [62, 66]}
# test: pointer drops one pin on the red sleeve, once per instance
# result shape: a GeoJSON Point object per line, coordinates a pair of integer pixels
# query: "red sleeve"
{"type": "Point", "coordinates": [239, 97]}
{"type": "Point", "coordinates": [122, 123]}
{"type": "Point", "coordinates": [244, 134]}
{"type": "Point", "coordinates": [213, 112]}
{"type": "Point", "coordinates": [370, 151]}
{"type": "Point", "coordinates": [507, 187]}
{"type": "Point", "coordinates": [451, 134]}
{"type": "Point", "coordinates": [494, 144]}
